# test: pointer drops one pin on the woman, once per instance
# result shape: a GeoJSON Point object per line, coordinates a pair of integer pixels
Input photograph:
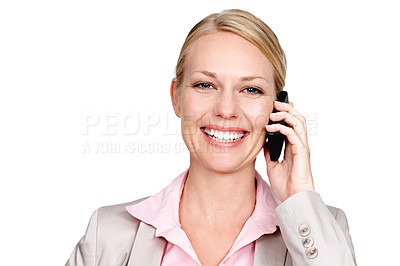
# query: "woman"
{"type": "Point", "coordinates": [220, 211]}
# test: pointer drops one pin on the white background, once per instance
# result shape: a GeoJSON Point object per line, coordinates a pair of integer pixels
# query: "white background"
{"type": "Point", "coordinates": [65, 64]}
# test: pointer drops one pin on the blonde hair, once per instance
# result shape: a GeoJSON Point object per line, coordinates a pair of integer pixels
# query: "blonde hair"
{"type": "Point", "coordinates": [245, 25]}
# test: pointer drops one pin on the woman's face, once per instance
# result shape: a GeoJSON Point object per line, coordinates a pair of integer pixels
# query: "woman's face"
{"type": "Point", "coordinates": [224, 102]}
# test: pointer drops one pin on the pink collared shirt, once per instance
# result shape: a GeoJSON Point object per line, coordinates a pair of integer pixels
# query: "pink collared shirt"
{"type": "Point", "coordinates": [162, 212]}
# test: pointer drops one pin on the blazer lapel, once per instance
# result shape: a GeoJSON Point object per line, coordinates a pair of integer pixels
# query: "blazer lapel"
{"type": "Point", "coordinates": [147, 249]}
{"type": "Point", "coordinates": [270, 250]}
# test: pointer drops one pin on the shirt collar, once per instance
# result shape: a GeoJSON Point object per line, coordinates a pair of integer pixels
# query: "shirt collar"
{"type": "Point", "coordinates": [162, 209]}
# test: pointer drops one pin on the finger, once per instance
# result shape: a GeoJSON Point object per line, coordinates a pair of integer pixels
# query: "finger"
{"type": "Point", "coordinates": [270, 164]}
{"type": "Point", "coordinates": [288, 153]}
{"type": "Point", "coordinates": [288, 107]}
{"type": "Point", "coordinates": [292, 121]}
{"type": "Point", "coordinates": [292, 137]}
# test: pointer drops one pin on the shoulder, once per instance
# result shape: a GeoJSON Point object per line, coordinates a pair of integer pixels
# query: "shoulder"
{"type": "Point", "coordinates": [116, 228]}
{"type": "Point", "coordinates": [108, 239]}
{"type": "Point", "coordinates": [116, 213]}
{"type": "Point", "coordinates": [336, 212]}
{"type": "Point", "coordinates": [116, 216]}
{"type": "Point", "coordinates": [342, 222]}
{"type": "Point", "coordinates": [340, 217]}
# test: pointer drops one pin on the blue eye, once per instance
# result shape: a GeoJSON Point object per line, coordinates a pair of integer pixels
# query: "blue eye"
{"type": "Point", "coordinates": [203, 85]}
{"type": "Point", "coordinates": [252, 90]}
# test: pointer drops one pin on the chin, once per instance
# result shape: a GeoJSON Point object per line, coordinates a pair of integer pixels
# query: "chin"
{"type": "Point", "coordinates": [225, 165]}
{"type": "Point", "coordinates": [223, 159]}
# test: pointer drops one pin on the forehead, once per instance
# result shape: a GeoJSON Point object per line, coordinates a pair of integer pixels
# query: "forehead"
{"type": "Point", "coordinates": [225, 52]}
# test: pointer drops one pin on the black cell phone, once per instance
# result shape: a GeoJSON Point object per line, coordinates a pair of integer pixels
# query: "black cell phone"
{"type": "Point", "coordinates": [275, 140]}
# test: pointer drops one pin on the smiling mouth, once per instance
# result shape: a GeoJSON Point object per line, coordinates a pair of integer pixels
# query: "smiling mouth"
{"type": "Point", "coordinates": [223, 136]}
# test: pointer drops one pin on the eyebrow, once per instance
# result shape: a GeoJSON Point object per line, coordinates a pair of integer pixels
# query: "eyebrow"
{"type": "Point", "coordinates": [242, 79]}
{"type": "Point", "coordinates": [252, 77]}
{"type": "Point", "coordinates": [208, 73]}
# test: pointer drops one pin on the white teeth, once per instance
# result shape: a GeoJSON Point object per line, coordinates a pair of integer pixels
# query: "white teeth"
{"type": "Point", "coordinates": [222, 136]}
{"type": "Point", "coordinates": [226, 135]}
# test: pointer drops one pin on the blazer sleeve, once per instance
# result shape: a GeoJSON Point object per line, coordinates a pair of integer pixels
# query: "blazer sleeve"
{"type": "Point", "coordinates": [84, 253]}
{"type": "Point", "coordinates": [313, 233]}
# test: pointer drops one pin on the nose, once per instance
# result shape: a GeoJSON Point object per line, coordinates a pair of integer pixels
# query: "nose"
{"type": "Point", "coordinates": [226, 105]}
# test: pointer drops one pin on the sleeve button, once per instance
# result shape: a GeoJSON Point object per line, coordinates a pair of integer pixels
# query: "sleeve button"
{"type": "Point", "coordinates": [312, 252]}
{"type": "Point", "coordinates": [304, 230]}
{"type": "Point", "coordinates": [308, 242]}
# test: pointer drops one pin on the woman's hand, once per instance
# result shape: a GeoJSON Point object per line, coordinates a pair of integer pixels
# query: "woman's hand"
{"type": "Point", "coordinates": [293, 174]}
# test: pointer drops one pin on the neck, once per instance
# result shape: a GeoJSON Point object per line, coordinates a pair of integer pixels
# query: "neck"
{"type": "Point", "coordinates": [216, 195]}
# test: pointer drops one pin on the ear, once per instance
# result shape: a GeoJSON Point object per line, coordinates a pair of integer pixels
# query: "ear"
{"type": "Point", "coordinates": [175, 98]}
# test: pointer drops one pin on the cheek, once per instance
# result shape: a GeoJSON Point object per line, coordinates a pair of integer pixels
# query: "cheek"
{"type": "Point", "coordinates": [191, 105]}
{"type": "Point", "coordinates": [192, 111]}
{"type": "Point", "coordinates": [260, 116]}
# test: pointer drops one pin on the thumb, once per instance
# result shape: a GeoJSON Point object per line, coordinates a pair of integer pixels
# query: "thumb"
{"type": "Point", "coordinates": [270, 164]}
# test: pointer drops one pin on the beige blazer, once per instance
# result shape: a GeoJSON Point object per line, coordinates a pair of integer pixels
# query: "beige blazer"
{"type": "Point", "coordinates": [309, 233]}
